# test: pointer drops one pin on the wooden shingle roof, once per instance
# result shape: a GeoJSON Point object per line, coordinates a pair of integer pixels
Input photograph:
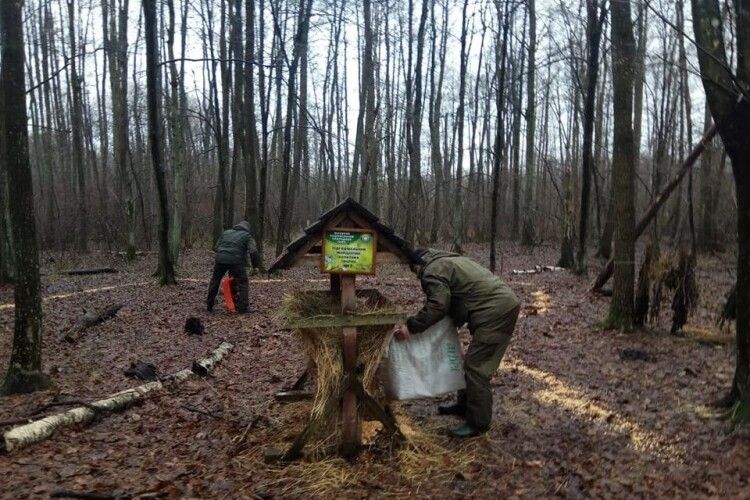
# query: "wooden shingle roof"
{"type": "Point", "coordinates": [351, 211]}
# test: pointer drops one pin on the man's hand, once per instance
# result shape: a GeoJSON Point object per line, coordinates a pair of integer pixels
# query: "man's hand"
{"type": "Point", "coordinates": [401, 332]}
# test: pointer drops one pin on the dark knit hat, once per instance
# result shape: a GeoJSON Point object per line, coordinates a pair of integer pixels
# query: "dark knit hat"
{"type": "Point", "coordinates": [417, 255]}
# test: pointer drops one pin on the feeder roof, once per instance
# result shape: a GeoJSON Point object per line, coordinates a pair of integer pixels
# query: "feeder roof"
{"type": "Point", "coordinates": [348, 213]}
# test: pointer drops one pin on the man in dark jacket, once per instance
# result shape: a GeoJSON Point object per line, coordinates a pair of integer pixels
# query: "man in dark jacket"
{"type": "Point", "coordinates": [232, 250]}
{"type": "Point", "coordinates": [467, 292]}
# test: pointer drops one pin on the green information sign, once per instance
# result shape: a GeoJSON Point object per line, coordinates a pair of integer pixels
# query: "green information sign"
{"type": "Point", "coordinates": [349, 251]}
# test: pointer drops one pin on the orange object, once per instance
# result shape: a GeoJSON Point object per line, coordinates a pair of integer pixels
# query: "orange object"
{"type": "Point", "coordinates": [226, 286]}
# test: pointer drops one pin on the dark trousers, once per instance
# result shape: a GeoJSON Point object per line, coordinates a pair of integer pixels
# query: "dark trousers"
{"type": "Point", "coordinates": [486, 350]}
{"type": "Point", "coordinates": [236, 271]}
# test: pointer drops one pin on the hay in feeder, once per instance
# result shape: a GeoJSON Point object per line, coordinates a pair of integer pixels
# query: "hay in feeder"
{"type": "Point", "coordinates": [323, 344]}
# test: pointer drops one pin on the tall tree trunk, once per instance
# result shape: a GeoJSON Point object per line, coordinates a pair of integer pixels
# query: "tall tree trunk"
{"type": "Point", "coordinates": [51, 222]}
{"type": "Point", "coordinates": [527, 233]}
{"type": "Point", "coordinates": [436, 104]}
{"type": "Point", "coordinates": [25, 368]}
{"type": "Point", "coordinates": [413, 140]}
{"type": "Point", "coordinates": [688, 111]}
{"type": "Point", "coordinates": [368, 140]}
{"type": "Point", "coordinates": [594, 25]}
{"type": "Point", "coordinates": [301, 153]}
{"type": "Point", "coordinates": [517, 93]}
{"type": "Point", "coordinates": [458, 202]}
{"type": "Point", "coordinates": [707, 232]}
{"type": "Point", "coordinates": [177, 136]}
{"type": "Point", "coordinates": [165, 270]}
{"type": "Point", "coordinates": [264, 107]}
{"type": "Point", "coordinates": [731, 112]}
{"type": "Point", "coordinates": [500, 61]}
{"type": "Point", "coordinates": [226, 85]}
{"type": "Point", "coordinates": [116, 42]}
{"type": "Point", "coordinates": [623, 58]}
{"type": "Point", "coordinates": [303, 21]}
{"type": "Point", "coordinates": [220, 197]}
{"type": "Point", "coordinates": [252, 147]}
{"type": "Point", "coordinates": [639, 82]}
{"type": "Point", "coordinates": [77, 132]}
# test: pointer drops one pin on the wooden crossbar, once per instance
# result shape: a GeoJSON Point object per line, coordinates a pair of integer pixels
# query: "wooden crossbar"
{"type": "Point", "coordinates": [347, 320]}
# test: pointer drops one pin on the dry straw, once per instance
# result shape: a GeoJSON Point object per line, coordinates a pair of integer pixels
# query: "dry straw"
{"type": "Point", "coordinates": [323, 345]}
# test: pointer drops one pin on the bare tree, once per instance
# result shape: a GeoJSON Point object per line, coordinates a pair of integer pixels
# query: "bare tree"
{"type": "Point", "coordinates": [77, 129]}
{"type": "Point", "coordinates": [458, 207]}
{"type": "Point", "coordinates": [177, 122]}
{"type": "Point", "coordinates": [25, 368]}
{"type": "Point", "coordinates": [413, 140]}
{"type": "Point", "coordinates": [303, 20]}
{"type": "Point", "coordinates": [594, 25]}
{"type": "Point", "coordinates": [527, 233]}
{"type": "Point", "coordinates": [623, 57]}
{"type": "Point", "coordinates": [499, 146]}
{"type": "Point", "coordinates": [165, 271]}
{"type": "Point", "coordinates": [730, 108]}
{"type": "Point", "coordinates": [435, 104]}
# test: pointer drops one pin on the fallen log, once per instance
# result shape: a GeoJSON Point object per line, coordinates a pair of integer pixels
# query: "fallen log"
{"type": "Point", "coordinates": [204, 366]}
{"type": "Point", "coordinates": [659, 200]}
{"type": "Point", "coordinates": [33, 432]}
{"type": "Point", "coordinates": [24, 435]}
{"type": "Point", "coordinates": [96, 270]}
{"type": "Point", "coordinates": [40, 409]}
{"type": "Point", "coordinates": [89, 319]}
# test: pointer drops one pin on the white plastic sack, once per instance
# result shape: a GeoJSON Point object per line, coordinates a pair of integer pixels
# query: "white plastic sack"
{"type": "Point", "coordinates": [427, 365]}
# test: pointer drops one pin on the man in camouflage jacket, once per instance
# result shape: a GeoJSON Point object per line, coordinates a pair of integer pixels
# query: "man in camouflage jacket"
{"type": "Point", "coordinates": [458, 287]}
{"type": "Point", "coordinates": [232, 251]}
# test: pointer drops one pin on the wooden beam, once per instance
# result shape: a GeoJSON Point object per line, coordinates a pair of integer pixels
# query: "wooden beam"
{"type": "Point", "coordinates": [336, 284]}
{"type": "Point", "coordinates": [290, 396]}
{"type": "Point", "coordinates": [351, 435]}
{"type": "Point", "coordinates": [347, 320]}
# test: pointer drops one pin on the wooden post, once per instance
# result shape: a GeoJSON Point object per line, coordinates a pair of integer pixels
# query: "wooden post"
{"type": "Point", "coordinates": [351, 435]}
{"type": "Point", "coordinates": [335, 284]}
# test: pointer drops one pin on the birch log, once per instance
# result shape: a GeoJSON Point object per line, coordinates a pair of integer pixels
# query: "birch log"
{"type": "Point", "coordinates": [204, 366]}
{"type": "Point", "coordinates": [33, 432]}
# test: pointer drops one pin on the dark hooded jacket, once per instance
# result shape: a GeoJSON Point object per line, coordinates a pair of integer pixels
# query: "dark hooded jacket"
{"type": "Point", "coordinates": [459, 287]}
{"type": "Point", "coordinates": [235, 245]}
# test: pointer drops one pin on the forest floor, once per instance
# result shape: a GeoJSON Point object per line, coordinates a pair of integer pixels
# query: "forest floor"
{"type": "Point", "coordinates": [571, 417]}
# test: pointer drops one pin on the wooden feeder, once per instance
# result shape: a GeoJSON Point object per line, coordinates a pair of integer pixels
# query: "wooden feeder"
{"type": "Point", "coordinates": [345, 241]}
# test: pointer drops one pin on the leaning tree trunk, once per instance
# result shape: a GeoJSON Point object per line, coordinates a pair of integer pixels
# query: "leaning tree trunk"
{"type": "Point", "coordinates": [166, 264]}
{"type": "Point", "coordinates": [25, 367]}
